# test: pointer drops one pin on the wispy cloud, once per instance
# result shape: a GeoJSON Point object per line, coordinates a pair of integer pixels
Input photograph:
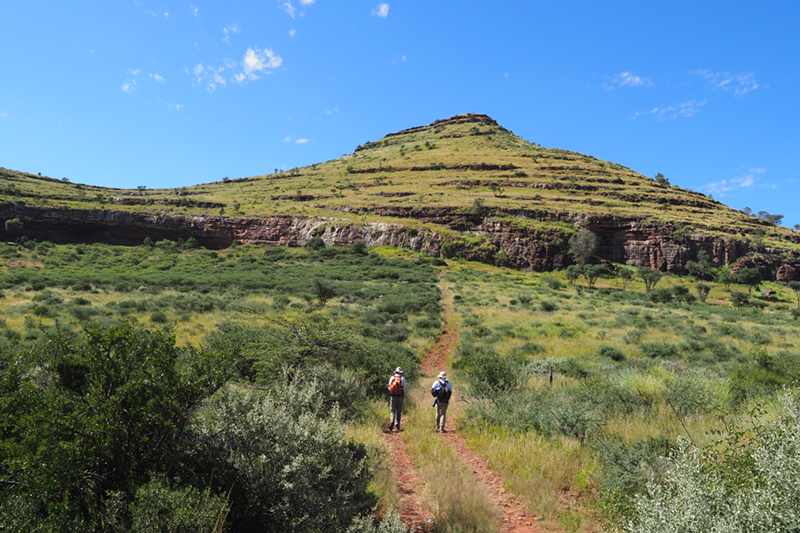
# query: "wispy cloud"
{"type": "Point", "coordinates": [210, 76]}
{"type": "Point", "coordinates": [748, 179]}
{"type": "Point", "coordinates": [684, 109]}
{"type": "Point", "coordinates": [740, 84]}
{"type": "Point", "coordinates": [194, 10]}
{"type": "Point", "coordinates": [629, 79]}
{"type": "Point", "coordinates": [302, 141]}
{"type": "Point", "coordinates": [289, 8]}
{"type": "Point", "coordinates": [166, 15]}
{"type": "Point", "coordinates": [331, 111]}
{"type": "Point", "coordinates": [157, 78]}
{"type": "Point", "coordinates": [381, 11]}
{"type": "Point", "coordinates": [230, 30]}
{"type": "Point", "coordinates": [175, 107]}
{"type": "Point", "coordinates": [255, 62]}
{"type": "Point", "coordinates": [287, 139]}
{"type": "Point", "coordinates": [292, 32]}
{"type": "Point", "coordinates": [307, 2]}
{"type": "Point", "coordinates": [396, 61]}
{"type": "Point", "coordinates": [3, 114]}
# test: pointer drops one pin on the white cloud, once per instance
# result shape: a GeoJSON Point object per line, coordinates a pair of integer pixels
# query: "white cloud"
{"type": "Point", "coordinates": [307, 2]}
{"type": "Point", "coordinates": [683, 109]}
{"type": "Point", "coordinates": [176, 107]}
{"type": "Point", "coordinates": [194, 10]}
{"type": "Point", "coordinates": [382, 11]}
{"type": "Point", "coordinates": [127, 87]}
{"type": "Point", "coordinates": [628, 79]}
{"type": "Point", "coordinates": [288, 139]}
{"type": "Point", "coordinates": [230, 30]}
{"type": "Point", "coordinates": [289, 8]}
{"type": "Point", "coordinates": [135, 72]}
{"type": "Point", "coordinates": [302, 141]}
{"type": "Point", "coordinates": [744, 181]}
{"type": "Point", "coordinates": [740, 84]}
{"type": "Point", "coordinates": [255, 62]}
{"type": "Point", "coordinates": [292, 32]}
{"type": "Point", "coordinates": [332, 111]}
{"type": "Point", "coordinates": [166, 15]}
{"type": "Point", "coordinates": [158, 78]}
{"type": "Point", "coordinates": [4, 114]}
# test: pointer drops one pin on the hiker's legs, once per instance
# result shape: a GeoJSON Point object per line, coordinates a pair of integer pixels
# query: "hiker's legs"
{"type": "Point", "coordinates": [395, 411]}
{"type": "Point", "coordinates": [441, 414]}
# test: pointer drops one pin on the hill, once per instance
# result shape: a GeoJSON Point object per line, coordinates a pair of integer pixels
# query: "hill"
{"type": "Point", "coordinates": [460, 187]}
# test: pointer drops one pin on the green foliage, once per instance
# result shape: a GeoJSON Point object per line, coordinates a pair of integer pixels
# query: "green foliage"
{"type": "Point", "coordinates": [702, 291]}
{"type": "Point", "coordinates": [764, 373]}
{"type": "Point", "coordinates": [285, 457]}
{"type": "Point", "coordinates": [98, 416]}
{"type": "Point", "coordinates": [731, 487]}
{"type": "Point", "coordinates": [553, 283]}
{"type": "Point", "coordinates": [614, 354]}
{"type": "Point", "coordinates": [739, 299]}
{"type": "Point", "coordinates": [593, 272]}
{"type": "Point", "coordinates": [315, 243]}
{"type": "Point", "coordinates": [750, 277]}
{"type": "Point", "coordinates": [702, 268]}
{"type": "Point", "coordinates": [661, 181]}
{"type": "Point", "coordinates": [658, 350]}
{"type": "Point", "coordinates": [795, 286]}
{"type": "Point", "coordinates": [573, 272]}
{"type": "Point", "coordinates": [650, 277]}
{"type": "Point", "coordinates": [491, 376]}
{"type": "Point", "coordinates": [13, 226]}
{"type": "Point", "coordinates": [582, 246]}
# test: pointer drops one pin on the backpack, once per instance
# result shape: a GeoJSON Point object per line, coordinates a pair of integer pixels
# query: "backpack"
{"type": "Point", "coordinates": [444, 394]}
{"type": "Point", "coordinates": [395, 386]}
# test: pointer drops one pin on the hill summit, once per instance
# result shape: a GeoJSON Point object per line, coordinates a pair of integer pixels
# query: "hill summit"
{"type": "Point", "coordinates": [459, 187]}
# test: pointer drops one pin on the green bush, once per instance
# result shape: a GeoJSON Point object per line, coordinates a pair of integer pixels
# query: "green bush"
{"type": "Point", "coordinates": [610, 352]}
{"type": "Point", "coordinates": [658, 350]}
{"type": "Point", "coordinates": [159, 317]}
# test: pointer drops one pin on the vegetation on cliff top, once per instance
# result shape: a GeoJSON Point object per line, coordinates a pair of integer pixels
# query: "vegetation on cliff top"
{"type": "Point", "coordinates": [446, 165]}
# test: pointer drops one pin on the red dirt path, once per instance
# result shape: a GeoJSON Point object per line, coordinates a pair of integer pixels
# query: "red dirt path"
{"type": "Point", "coordinates": [516, 518]}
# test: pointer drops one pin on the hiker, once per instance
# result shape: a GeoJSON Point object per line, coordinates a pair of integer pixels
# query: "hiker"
{"type": "Point", "coordinates": [441, 390]}
{"type": "Point", "coordinates": [397, 389]}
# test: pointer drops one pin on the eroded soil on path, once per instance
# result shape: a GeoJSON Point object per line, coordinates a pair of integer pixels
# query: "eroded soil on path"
{"type": "Point", "coordinates": [516, 519]}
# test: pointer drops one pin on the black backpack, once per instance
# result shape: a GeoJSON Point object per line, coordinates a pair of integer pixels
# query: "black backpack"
{"type": "Point", "coordinates": [443, 393]}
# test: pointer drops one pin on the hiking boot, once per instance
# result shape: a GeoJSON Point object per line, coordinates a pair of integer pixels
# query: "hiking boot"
{"type": "Point", "coordinates": [391, 426]}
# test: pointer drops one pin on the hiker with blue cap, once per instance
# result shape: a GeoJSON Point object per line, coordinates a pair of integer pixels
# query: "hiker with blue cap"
{"type": "Point", "coordinates": [441, 390]}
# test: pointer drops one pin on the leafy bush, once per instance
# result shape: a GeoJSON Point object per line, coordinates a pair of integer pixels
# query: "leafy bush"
{"type": "Point", "coordinates": [731, 487]}
{"type": "Point", "coordinates": [610, 352]}
{"type": "Point", "coordinates": [658, 350]}
{"type": "Point", "coordinates": [285, 457]}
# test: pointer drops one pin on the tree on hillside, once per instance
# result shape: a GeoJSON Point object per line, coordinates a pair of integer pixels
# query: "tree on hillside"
{"type": "Point", "coordinates": [724, 276]}
{"type": "Point", "coordinates": [572, 273]}
{"type": "Point", "coordinates": [700, 269]}
{"type": "Point", "coordinates": [593, 272]}
{"type": "Point", "coordinates": [739, 299]}
{"type": "Point", "coordinates": [650, 277]}
{"type": "Point", "coordinates": [626, 275]}
{"type": "Point", "coordinates": [661, 181]}
{"type": "Point", "coordinates": [702, 291]}
{"type": "Point", "coordinates": [582, 246]}
{"type": "Point", "coordinates": [750, 277]}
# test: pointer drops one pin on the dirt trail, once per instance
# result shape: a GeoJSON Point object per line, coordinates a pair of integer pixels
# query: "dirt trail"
{"type": "Point", "coordinates": [516, 518]}
{"type": "Point", "coordinates": [411, 510]}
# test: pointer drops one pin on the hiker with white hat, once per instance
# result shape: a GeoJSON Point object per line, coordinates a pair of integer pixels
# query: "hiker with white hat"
{"type": "Point", "coordinates": [441, 390]}
{"type": "Point", "coordinates": [397, 390]}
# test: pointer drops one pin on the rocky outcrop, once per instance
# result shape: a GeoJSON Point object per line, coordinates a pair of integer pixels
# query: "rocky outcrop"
{"type": "Point", "coordinates": [496, 237]}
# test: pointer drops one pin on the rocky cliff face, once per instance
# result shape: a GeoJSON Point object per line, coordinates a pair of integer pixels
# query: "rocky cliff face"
{"type": "Point", "coordinates": [474, 236]}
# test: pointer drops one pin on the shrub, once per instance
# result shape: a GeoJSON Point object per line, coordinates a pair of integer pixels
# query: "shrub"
{"type": "Point", "coordinates": [553, 283]}
{"type": "Point", "coordinates": [658, 350]}
{"type": "Point", "coordinates": [159, 317]}
{"type": "Point", "coordinates": [547, 306]}
{"type": "Point", "coordinates": [610, 352]}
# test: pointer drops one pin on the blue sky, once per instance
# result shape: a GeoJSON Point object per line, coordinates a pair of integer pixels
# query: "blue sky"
{"type": "Point", "coordinates": [165, 93]}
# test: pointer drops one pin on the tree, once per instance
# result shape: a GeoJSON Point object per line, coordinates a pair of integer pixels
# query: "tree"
{"type": "Point", "coordinates": [702, 291]}
{"type": "Point", "coordinates": [496, 189]}
{"type": "Point", "coordinates": [750, 277]}
{"type": "Point", "coordinates": [739, 299]}
{"type": "Point", "coordinates": [582, 246]}
{"type": "Point", "coordinates": [797, 227]}
{"type": "Point", "coordinates": [100, 415]}
{"type": "Point", "coordinates": [323, 291]}
{"type": "Point", "coordinates": [795, 286]}
{"type": "Point", "coordinates": [700, 269]}
{"type": "Point", "coordinates": [13, 226]}
{"type": "Point", "coordinates": [593, 272]}
{"type": "Point", "coordinates": [661, 181]}
{"type": "Point", "coordinates": [650, 277]}
{"type": "Point", "coordinates": [724, 276]}
{"type": "Point", "coordinates": [626, 275]}
{"type": "Point", "coordinates": [572, 273]}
